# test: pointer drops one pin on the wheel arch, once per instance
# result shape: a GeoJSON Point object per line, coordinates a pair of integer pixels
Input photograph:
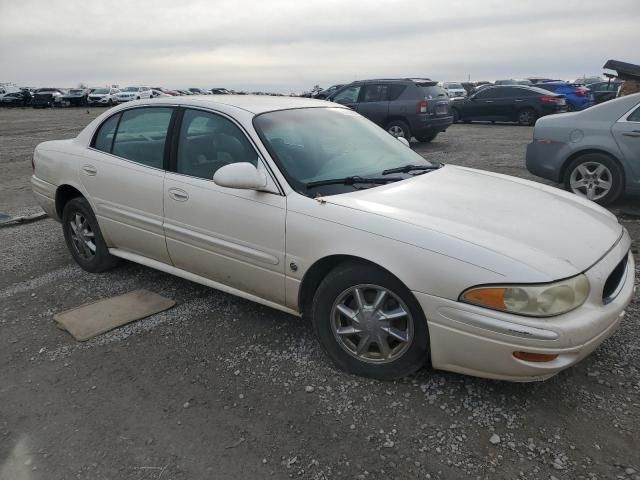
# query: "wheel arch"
{"type": "Point", "coordinates": [319, 270]}
{"type": "Point", "coordinates": [64, 194]}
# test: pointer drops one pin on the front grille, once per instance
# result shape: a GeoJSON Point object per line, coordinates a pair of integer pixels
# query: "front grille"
{"type": "Point", "coordinates": [614, 281]}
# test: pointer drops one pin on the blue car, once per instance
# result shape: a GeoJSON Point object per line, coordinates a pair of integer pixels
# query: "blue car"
{"type": "Point", "coordinates": [577, 95]}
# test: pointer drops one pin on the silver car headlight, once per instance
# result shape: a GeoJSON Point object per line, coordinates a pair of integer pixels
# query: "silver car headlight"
{"type": "Point", "coordinates": [540, 300]}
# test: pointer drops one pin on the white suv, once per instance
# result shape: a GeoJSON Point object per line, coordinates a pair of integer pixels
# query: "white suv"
{"type": "Point", "coordinates": [132, 93]}
{"type": "Point", "coordinates": [103, 96]}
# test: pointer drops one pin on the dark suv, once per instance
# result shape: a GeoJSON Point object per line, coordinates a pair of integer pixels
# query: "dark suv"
{"type": "Point", "coordinates": [406, 107]}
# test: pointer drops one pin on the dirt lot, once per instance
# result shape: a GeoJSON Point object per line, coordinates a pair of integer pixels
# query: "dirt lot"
{"type": "Point", "coordinates": [217, 386]}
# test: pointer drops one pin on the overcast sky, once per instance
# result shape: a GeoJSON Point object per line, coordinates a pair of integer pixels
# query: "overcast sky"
{"type": "Point", "coordinates": [285, 46]}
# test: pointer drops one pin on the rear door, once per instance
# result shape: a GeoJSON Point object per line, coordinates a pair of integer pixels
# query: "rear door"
{"type": "Point", "coordinates": [509, 101]}
{"type": "Point", "coordinates": [626, 131]}
{"type": "Point", "coordinates": [123, 173]}
{"type": "Point", "coordinates": [374, 102]}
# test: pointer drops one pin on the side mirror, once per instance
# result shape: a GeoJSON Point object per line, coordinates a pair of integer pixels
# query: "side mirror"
{"type": "Point", "coordinates": [241, 175]}
{"type": "Point", "coordinates": [404, 141]}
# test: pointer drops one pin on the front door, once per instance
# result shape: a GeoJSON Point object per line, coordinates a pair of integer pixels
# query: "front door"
{"type": "Point", "coordinates": [231, 236]}
{"type": "Point", "coordinates": [123, 174]}
{"type": "Point", "coordinates": [349, 96]}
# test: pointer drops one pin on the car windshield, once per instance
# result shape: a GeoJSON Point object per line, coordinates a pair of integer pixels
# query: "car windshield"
{"type": "Point", "coordinates": [131, 89]}
{"type": "Point", "coordinates": [101, 90]}
{"type": "Point", "coordinates": [73, 90]}
{"type": "Point", "coordinates": [314, 144]}
{"type": "Point", "coordinates": [453, 85]}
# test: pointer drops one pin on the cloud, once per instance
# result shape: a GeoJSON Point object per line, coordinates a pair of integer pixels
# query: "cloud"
{"type": "Point", "coordinates": [291, 45]}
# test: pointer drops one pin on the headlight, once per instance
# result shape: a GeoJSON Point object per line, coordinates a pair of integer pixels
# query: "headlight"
{"type": "Point", "coordinates": [545, 300]}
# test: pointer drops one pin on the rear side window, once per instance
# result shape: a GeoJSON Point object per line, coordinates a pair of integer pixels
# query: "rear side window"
{"type": "Point", "coordinates": [141, 135]}
{"type": "Point", "coordinates": [635, 116]}
{"type": "Point", "coordinates": [104, 138]}
{"type": "Point", "coordinates": [551, 88]}
{"type": "Point", "coordinates": [395, 90]}
{"type": "Point", "coordinates": [376, 92]}
{"type": "Point", "coordinates": [489, 93]}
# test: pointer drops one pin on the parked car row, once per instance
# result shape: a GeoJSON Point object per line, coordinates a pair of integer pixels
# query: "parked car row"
{"type": "Point", "coordinates": [49, 97]}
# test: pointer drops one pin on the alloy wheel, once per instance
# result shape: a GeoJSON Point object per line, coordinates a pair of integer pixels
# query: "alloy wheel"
{"type": "Point", "coordinates": [396, 131]}
{"type": "Point", "coordinates": [372, 324]}
{"type": "Point", "coordinates": [82, 236]}
{"type": "Point", "coordinates": [592, 180]}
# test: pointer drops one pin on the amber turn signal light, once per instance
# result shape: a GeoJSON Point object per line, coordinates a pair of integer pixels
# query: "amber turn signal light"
{"type": "Point", "coordinates": [535, 357]}
{"type": "Point", "coordinates": [487, 297]}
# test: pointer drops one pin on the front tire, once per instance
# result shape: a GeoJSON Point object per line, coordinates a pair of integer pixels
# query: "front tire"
{"type": "Point", "coordinates": [456, 115]}
{"type": "Point", "coordinates": [595, 176]}
{"type": "Point", "coordinates": [369, 323]}
{"type": "Point", "coordinates": [398, 128]}
{"type": "Point", "coordinates": [84, 238]}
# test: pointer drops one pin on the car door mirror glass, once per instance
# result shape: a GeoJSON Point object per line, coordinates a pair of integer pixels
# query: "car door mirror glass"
{"type": "Point", "coordinates": [242, 175]}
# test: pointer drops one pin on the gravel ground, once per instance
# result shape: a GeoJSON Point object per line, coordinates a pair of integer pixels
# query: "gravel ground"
{"type": "Point", "coordinates": [219, 387]}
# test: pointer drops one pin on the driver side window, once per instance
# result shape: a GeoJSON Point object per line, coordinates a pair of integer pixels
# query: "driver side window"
{"type": "Point", "coordinates": [348, 95]}
{"type": "Point", "coordinates": [207, 142]}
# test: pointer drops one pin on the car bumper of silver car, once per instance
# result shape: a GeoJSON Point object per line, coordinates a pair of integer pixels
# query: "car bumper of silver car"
{"type": "Point", "coordinates": [45, 195]}
{"type": "Point", "coordinates": [544, 158]}
{"type": "Point", "coordinates": [481, 342]}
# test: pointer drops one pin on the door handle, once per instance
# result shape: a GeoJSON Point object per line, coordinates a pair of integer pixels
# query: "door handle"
{"type": "Point", "coordinates": [518, 100]}
{"type": "Point", "coordinates": [89, 170]}
{"type": "Point", "coordinates": [178, 194]}
{"type": "Point", "coordinates": [634, 133]}
{"type": "Point", "coordinates": [488, 101]}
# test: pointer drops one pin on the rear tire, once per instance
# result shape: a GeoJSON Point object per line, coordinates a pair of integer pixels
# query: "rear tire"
{"type": "Point", "coordinates": [84, 238]}
{"type": "Point", "coordinates": [398, 128]}
{"type": "Point", "coordinates": [595, 176]}
{"type": "Point", "coordinates": [355, 341]}
{"type": "Point", "coordinates": [527, 117]}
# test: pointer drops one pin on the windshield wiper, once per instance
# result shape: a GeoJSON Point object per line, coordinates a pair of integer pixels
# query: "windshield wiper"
{"type": "Point", "coordinates": [353, 180]}
{"type": "Point", "coordinates": [409, 168]}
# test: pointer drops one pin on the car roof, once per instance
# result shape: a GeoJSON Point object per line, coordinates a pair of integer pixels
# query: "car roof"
{"type": "Point", "coordinates": [532, 88]}
{"type": "Point", "coordinates": [255, 104]}
{"type": "Point", "coordinates": [414, 80]}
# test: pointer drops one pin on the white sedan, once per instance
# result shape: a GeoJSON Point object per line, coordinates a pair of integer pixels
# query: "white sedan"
{"type": "Point", "coordinates": [309, 208]}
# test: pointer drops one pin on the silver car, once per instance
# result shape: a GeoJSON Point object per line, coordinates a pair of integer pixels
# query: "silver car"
{"type": "Point", "coordinates": [595, 152]}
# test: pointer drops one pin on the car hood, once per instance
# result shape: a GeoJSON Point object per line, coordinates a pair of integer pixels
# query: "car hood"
{"type": "Point", "coordinates": [550, 231]}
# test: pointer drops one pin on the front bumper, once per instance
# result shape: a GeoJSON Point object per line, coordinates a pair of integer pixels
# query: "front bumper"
{"type": "Point", "coordinates": [480, 342]}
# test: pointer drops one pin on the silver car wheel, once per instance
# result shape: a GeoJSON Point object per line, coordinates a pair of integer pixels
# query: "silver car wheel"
{"type": "Point", "coordinates": [396, 131]}
{"type": "Point", "coordinates": [83, 237]}
{"type": "Point", "coordinates": [592, 180]}
{"type": "Point", "coordinates": [372, 324]}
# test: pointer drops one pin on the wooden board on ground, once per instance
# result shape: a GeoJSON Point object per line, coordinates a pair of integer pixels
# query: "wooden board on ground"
{"type": "Point", "coordinates": [87, 321]}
